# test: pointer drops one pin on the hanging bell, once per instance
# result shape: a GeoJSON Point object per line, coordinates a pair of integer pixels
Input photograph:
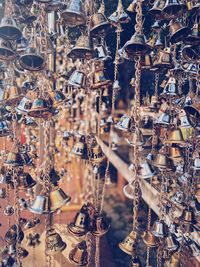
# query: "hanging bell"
{"type": "Point", "coordinates": [9, 29]}
{"type": "Point", "coordinates": [187, 216]}
{"type": "Point", "coordinates": [101, 52]}
{"type": "Point", "coordinates": [97, 155]}
{"type": "Point", "coordinates": [24, 105]}
{"type": "Point", "coordinates": [184, 120]}
{"type": "Point", "coordinates": [136, 138]}
{"type": "Point", "coordinates": [135, 262]}
{"type": "Point", "coordinates": [175, 154]}
{"type": "Point", "coordinates": [171, 9]}
{"type": "Point", "coordinates": [158, 229]}
{"type": "Point", "coordinates": [41, 205]}
{"type": "Point", "coordinates": [164, 119]}
{"type": "Point", "coordinates": [124, 123]}
{"type": "Point", "coordinates": [31, 60]}
{"type": "Point", "coordinates": [119, 16]}
{"type": "Point", "coordinates": [146, 61]}
{"type": "Point", "coordinates": [25, 181]}
{"type": "Point", "coordinates": [99, 25]}
{"type": "Point", "coordinates": [54, 243]}
{"type": "Point", "coordinates": [156, 10]}
{"type": "Point", "coordinates": [175, 259]}
{"type": "Point", "coordinates": [100, 226]}
{"type": "Point", "coordinates": [161, 159]}
{"type": "Point", "coordinates": [74, 14]}
{"type": "Point", "coordinates": [149, 239]}
{"type": "Point", "coordinates": [83, 48]}
{"type": "Point", "coordinates": [193, 113]}
{"type": "Point", "coordinates": [129, 243]}
{"type": "Point", "coordinates": [58, 199]}
{"type": "Point", "coordinates": [13, 159]}
{"type": "Point", "coordinates": [196, 162]}
{"type": "Point", "coordinates": [175, 137]}
{"type": "Point", "coordinates": [171, 243]}
{"type": "Point", "coordinates": [80, 225]}
{"type": "Point", "coordinates": [57, 98]}
{"type": "Point", "coordinates": [194, 37]}
{"type": "Point", "coordinates": [77, 79]}
{"type": "Point", "coordinates": [145, 170]}
{"type": "Point", "coordinates": [79, 254]}
{"type": "Point", "coordinates": [177, 32]}
{"type": "Point", "coordinates": [40, 108]}
{"type": "Point", "coordinates": [191, 53]}
{"type": "Point", "coordinates": [6, 50]}
{"type": "Point", "coordinates": [79, 148]}
{"type": "Point", "coordinates": [136, 45]}
{"type": "Point", "coordinates": [12, 95]}
{"type": "Point", "coordinates": [99, 80]}
{"type": "Point", "coordinates": [163, 59]}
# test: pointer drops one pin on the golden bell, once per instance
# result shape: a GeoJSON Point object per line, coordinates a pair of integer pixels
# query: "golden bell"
{"type": "Point", "coordinates": [175, 259]}
{"type": "Point", "coordinates": [191, 53]}
{"type": "Point", "coordinates": [40, 108]}
{"type": "Point", "coordinates": [175, 154]}
{"type": "Point", "coordinates": [136, 138]}
{"type": "Point", "coordinates": [171, 243]}
{"type": "Point", "coordinates": [156, 10]}
{"type": "Point", "coordinates": [97, 155]}
{"type": "Point", "coordinates": [124, 123]}
{"type": "Point", "coordinates": [83, 48]}
{"type": "Point", "coordinates": [54, 243]}
{"type": "Point", "coordinates": [171, 8]}
{"type": "Point", "coordinates": [187, 216]}
{"type": "Point", "coordinates": [41, 205]}
{"type": "Point", "coordinates": [193, 113]}
{"type": "Point", "coordinates": [25, 181]}
{"type": "Point", "coordinates": [158, 229]}
{"type": "Point", "coordinates": [12, 95]}
{"type": "Point", "coordinates": [31, 60]}
{"type": "Point", "coordinates": [163, 59]}
{"type": "Point", "coordinates": [136, 45]}
{"type": "Point", "coordinates": [149, 239]}
{"type": "Point", "coordinates": [193, 6]}
{"type": "Point", "coordinates": [175, 137]}
{"type": "Point", "coordinates": [177, 31]}
{"type": "Point", "coordinates": [161, 160]}
{"type": "Point", "coordinates": [99, 80]}
{"type": "Point", "coordinates": [128, 244]}
{"type": "Point", "coordinates": [79, 254]}
{"type": "Point", "coordinates": [99, 25]}
{"type": "Point", "coordinates": [9, 29]}
{"type": "Point", "coordinates": [194, 37]}
{"type": "Point", "coordinates": [13, 159]}
{"type": "Point", "coordinates": [129, 191]}
{"type": "Point", "coordinates": [58, 199]}
{"type": "Point", "coordinates": [79, 148]}
{"type": "Point", "coordinates": [100, 226]}
{"type": "Point", "coordinates": [77, 79]}
{"type": "Point", "coordinates": [145, 170]}
{"type": "Point", "coordinates": [6, 50]}
{"type": "Point", "coordinates": [74, 14]}
{"type": "Point", "coordinates": [80, 225]}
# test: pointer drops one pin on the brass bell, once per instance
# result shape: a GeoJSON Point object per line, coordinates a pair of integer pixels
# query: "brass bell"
{"type": "Point", "coordinates": [101, 52]}
{"type": "Point", "coordinates": [145, 170]}
{"type": "Point", "coordinates": [25, 181]}
{"type": "Point", "coordinates": [191, 53]}
{"type": "Point", "coordinates": [58, 199]}
{"type": "Point", "coordinates": [99, 80]}
{"type": "Point", "coordinates": [193, 113]}
{"type": "Point", "coordinates": [177, 31]}
{"type": "Point", "coordinates": [156, 10]}
{"type": "Point", "coordinates": [171, 8]}
{"type": "Point", "coordinates": [24, 105]}
{"type": "Point", "coordinates": [161, 159]}
{"type": "Point", "coordinates": [79, 254]}
{"type": "Point", "coordinates": [9, 29]}
{"type": "Point", "coordinates": [119, 16]}
{"type": "Point", "coordinates": [194, 37]}
{"type": "Point", "coordinates": [163, 59]}
{"type": "Point", "coordinates": [97, 155]}
{"type": "Point", "coordinates": [12, 95]}
{"type": "Point", "coordinates": [54, 243]}
{"type": "Point", "coordinates": [158, 229]}
{"type": "Point", "coordinates": [129, 191]}
{"type": "Point", "coordinates": [40, 108]}
{"type": "Point", "coordinates": [193, 6]}
{"type": "Point", "coordinates": [124, 123]}
{"type": "Point", "coordinates": [31, 60]}
{"type": "Point", "coordinates": [136, 45]}
{"type": "Point", "coordinates": [83, 48]}
{"type": "Point", "coordinates": [187, 216]}
{"type": "Point", "coordinates": [40, 205]}
{"type": "Point", "coordinates": [171, 243]}
{"type": "Point", "coordinates": [74, 14]}
{"type": "Point", "coordinates": [136, 138]}
{"type": "Point", "coordinates": [6, 50]}
{"type": "Point", "coordinates": [129, 243]}
{"type": "Point", "coordinates": [164, 119]}
{"type": "Point", "coordinates": [100, 226]}
{"type": "Point", "coordinates": [80, 225]}
{"type": "Point", "coordinates": [77, 79]}
{"type": "Point", "coordinates": [175, 154]}
{"type": "Point", "coordinates": [79, 148]}
{"type": "Point", "coordinates": [175, 137]}
{"type": "Point", "coordinates": [4, 128]}
{"type": "Point", "coordinates": [99, 25]}
{"type": "Point", "coordinates": [149, 239]}
{"type": "Point", "coordinates": [13, 159]}
{"type": "Point", "coordinates": [175, 259]}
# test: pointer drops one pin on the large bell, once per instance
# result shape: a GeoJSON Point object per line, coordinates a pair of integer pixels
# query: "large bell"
{"type": "Point", "coordinates": [58, 199]}
{"type": "Point", "coordinates": [83, 48]}
{"type": "Point", "coordinates": [145, 170]}
{"type": "Point", "coordinates": [171, 8]}
{"type": "Point", "coordinates": [13, 159]}
{"type": "Point", "coordinates": [99, 80]}
{"type": "Point", "coordinates": [24, 105]}
{"type": "Point", "coordinates": [136, 45]}
{"type": "Point", "coordinates": [79, 148]}
{"type": "Point", "coordinates": [80, 225]}
{"type": "Point", "coordinates": [77, 79]}
{"type": "Point", "coordinates": [163, 59]}
{"type": "Point", "coordinates": [175, 137]}
{"type": "Point", "coordinates": [74, 14]}
{"type": "Point", "coordinates": [158, 229]}
{"type": "Point", "coordinates": [40, 108]}
{"type": "Point", "coordinates": [12, 95]}
{"type": "Point", "coordinates": [25, 181]}
{"type": "Point", "coordinates": [171, 243]}
{"type": "Point", "coordinates": [79, 254]}
{"type": "Point", "coordinates": [156, 10]}
{"type": "Point", "coordinates": [6, 50]}
{"type": "Point", "coordinates": [41, 205]}
{"type": "Point", "coordinates": [149, 239]}
{"type": "Point", "coordinates": [124, 123]}
{"type": "Point", "coordinates": [129, 243]}
{"type": "Point", "coordinates": [9, 29]}
{"type": "Point", "coordinates": [99, 24]}
{"type": "Point", "coordinates": [54, 243]}
{"type": "Point", "coordinates": [31, 60]}
{"type": "Point", "coordinates": [177, 31]}
{"type": "Point", "coordinates": [100, 226]}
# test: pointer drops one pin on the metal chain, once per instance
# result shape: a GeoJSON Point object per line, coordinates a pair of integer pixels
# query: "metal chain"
{"type": "Point", "coordinates": [97, 252]}
{"type": "Point", "coordinates": [156, 84]}
{"type": "Point", "coordinates": [138, 25]}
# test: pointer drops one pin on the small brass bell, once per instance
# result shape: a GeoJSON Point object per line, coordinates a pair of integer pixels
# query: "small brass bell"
{"type": "Point", "coordinates": [175, 137]}
{"type": "Point", "coordinates": [40, 108]}
{"type": "Point", "coordinates": [13, 159]}
{"type": "Point", "coordinates": [12, 95]}
{"type": "Point", "coordinates": [41, 205]}
{"type": "Point", "coordinates": [100, 226]}
{"type": "Point", "coordinates": [177, 31]}
{"type": "Point", "coordinates": [79, 148]}
{"type": "Point", "coordinates": [9, 29]}
{"type": "Point", "coordinates": [149, 239]}
{"type": "Point", "coordinates": [136, 45]}
{"type": "Point", "coordinates": [79, 254]}
{"type": "Point", "coordinates": [54, 243]}
{"type": "Point", "coordinates": [187, 216]}
{"type": "Point", "coordinates": [77, 79]}
{"type": "Point", "coordinates": [145, 170]}
{"type": "Point", "coordinates": [171, 243]}
{"type": "Point", "coordinates": [31, 60]}
{"type": "Point", "coordinates": [175, 259]}
{"type": "Point", "coordinates": [128, 244]}
{"type": "Point", "coordinates": [158, 229]}
{"type": "Point", "coordinates": [163, 59]}
{"type": "Point", "coordinates": [156, 10]}
{"type": "Point", "coordinates": [171, 8]}
{"type": "Point", "coordinates": [6, 50]}
{"type": "Point", "coordinates": [74, 14]}
{"type": "Point", "coordinates": [124, 123]}
{"type": "Point", "coordinates": [161, 159]}
{"type": "Point", "coordinates": [80, 225]}
{"type": "Point", "coordinates": [25, 181]}
{"type": "Point", "coordinates": [99, 80]}
{"type": "Point", "coordinates": [58, 199]}
{"type": "Point", "coordinates": [83, 48]}
{"type": "Point", "coordinates": [99, 25]}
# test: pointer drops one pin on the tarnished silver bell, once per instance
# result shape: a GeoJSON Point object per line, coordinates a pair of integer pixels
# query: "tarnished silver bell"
{"type": "Point", "coordinates": [74, 14]}
{"type": "Point", "coordinates": [124, 123]}
{"type": "Point", "coordinates": [177, 31]}
{"type": "Point", "coordinates": [171, 8]}
{"type": "Point", "coordinates": [31, 60]}
{"type": "Point", "coordinates": [171, 243]}
{"type": "Point", "coordinates": [77, 79]}
{"type": "Point", "coordinates": [99, 25]}
{"type": "Point", "coordinates": [158, 229]}
{"type": "Point", "coordinates": [9, 29]}
{"type": "Point", "coordinates": [40, 205]}
{"type": "Point", "coordinates": [136, 45]}
{"type": "Point", "coordinates": [119, 16]}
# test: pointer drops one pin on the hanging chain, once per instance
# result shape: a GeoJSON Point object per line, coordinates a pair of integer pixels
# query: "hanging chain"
{"type": "Point", "coordinates": [97, 252]}
{"type": "Point", "coordinates": [156, 84]}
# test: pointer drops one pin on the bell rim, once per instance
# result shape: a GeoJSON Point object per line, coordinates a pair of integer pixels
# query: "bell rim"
{"type": "Point", "coordinates": [129, 252]}
{"type": "Point", "coordinates": [183, 31]}
{"type": "Point", "coordinates": [59, 206]}
{"type": "Point", "coordinates": [80, 52]}
{"type": "Point", "coordinates": [45, 113]}
{"type": "Point", "coordinates": [96, 29]}
{"type": "Point", "coordinates": [31, 209]}
{"type": "Point", "coordinates": [7, 58]}
{"type": "Point", "coordinates": [75, 230]}
{"type": "Point", "coordinates": [147, 176]}
{"type": "Point", "coordinates": [26, 67]}
{"type": "Point", "coordinates": [17, 35]}
{"type": "Point", "coordinates": [70, 21]}
{"type": "Point", "coordinates": [54, 6]}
